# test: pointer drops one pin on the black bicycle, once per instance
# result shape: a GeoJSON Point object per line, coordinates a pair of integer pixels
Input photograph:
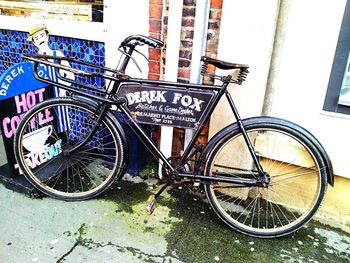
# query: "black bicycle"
{"type": "Point", "coordinates": [263, 176]}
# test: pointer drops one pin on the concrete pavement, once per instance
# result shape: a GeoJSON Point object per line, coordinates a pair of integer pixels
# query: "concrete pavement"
{"type": "Point", "coordinates": [115, 228]}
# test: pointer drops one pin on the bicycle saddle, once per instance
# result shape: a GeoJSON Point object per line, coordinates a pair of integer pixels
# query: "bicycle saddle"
{"type": "Point", "coordinates": [222, 64]}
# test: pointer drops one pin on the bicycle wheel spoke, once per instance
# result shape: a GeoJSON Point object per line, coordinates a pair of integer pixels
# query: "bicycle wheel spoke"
{"type": "Point", "coordinates": [251, 202]}
{"type": "Point", "coordinates": [70, 175]}
{"type": "Point", "coordinates": [57, 177]}
{"type": "Point", "coordinates": [281, 205]}
{"type": "Point", "coordinates": [293, 171]}
{"type": "Point", "coordinates": [91, 158]}
{"type": "Point", "coordinates": [297, 175]}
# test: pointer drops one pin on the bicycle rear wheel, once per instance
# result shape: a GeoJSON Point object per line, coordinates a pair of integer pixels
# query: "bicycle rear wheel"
{"type": "Point", "coordinates": [297, 180]}
{"type": "Point", "coordinates": [51, 128]}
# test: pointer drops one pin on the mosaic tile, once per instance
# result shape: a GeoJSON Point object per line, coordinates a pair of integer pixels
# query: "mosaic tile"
{"type": "Point", "coordinates": [14, 43]}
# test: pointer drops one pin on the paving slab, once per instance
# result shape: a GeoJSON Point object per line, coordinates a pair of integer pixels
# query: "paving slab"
{"type": "Point", "coordinates": [115, 228]}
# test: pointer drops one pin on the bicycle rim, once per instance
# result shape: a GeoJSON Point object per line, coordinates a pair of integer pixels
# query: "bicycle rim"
{"type": "Point", "coordinates": [296, 189]}
{"type": "Point", "coordinates": [44, 137]}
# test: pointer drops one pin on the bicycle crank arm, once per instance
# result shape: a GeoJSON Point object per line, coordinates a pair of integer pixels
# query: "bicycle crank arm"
{"type": "Point", "coordinates": [150, 204]}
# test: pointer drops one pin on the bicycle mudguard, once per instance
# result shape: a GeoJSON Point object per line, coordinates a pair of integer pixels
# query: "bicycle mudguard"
{"type": "Point", "coordinates": [118, 126]}
{"type": "Point", "coordinates": [272, 120]}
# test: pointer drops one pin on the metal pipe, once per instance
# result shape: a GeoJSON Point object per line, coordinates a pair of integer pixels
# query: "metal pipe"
{"type": "Point", "coordinates": [280, 28]}
{"type": "Point", "coordinates": [198, 49]}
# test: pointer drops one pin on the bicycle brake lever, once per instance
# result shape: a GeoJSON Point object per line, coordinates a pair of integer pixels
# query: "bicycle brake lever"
{"type": "Point", "coordinates": [142, 54]}
{"type": "Point", "coordinates": [126, 54]}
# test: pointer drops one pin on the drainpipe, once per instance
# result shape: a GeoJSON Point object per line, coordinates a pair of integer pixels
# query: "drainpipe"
{"type": "Point", "coordinates": [199, 39]}
{"type": "Point", "coordinates": [198, 49]}
{"type": "Point", "coordinates": [280, 28]}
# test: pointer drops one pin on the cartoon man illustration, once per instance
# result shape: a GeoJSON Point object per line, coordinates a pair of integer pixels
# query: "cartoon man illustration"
{"type": "Point", "coordinates": [39, 36]}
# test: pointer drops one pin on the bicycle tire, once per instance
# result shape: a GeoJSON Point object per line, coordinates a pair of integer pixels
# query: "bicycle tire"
{"type": "Point", "coordinates": [296, 170]}
{"type": "Point", "coordinates": [43, 137]}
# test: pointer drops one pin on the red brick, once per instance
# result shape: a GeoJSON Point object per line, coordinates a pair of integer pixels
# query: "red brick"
{"type": "Point", "coordinates": [155, 11]}
{"type": "Point", "coordinates": [154, 54]}
{"type": "Point", "coordinates": [211, 68]}
{"type": "Point", "coordinates": [184, 63]}
{"type": "Point", "coordinates": [212, 47]}
{"type": "Point", "coordinates": [188, 22]}
{"type": "Point", "coordinates": [215, 14]}
{"type": "Point", "coordinates": [186, 44]}
{"type": "Point", "coordinates": [188, 12]}
{"type": "Point", "coordinates": [219, 14]}
{"type": "Point", "coordinates": [215, 25]}
{"type": "Point", "coordinates": [155, 35]}
{"type": "Point", "coordinates": [155, 25]}
{"type": "Point", "coordinates": [155, 2]}
{"type": "Point", "coordinates": [184, 73]}
{"type": "Point", "coordinates": [189, 2]}
{"type": "Point", "coordinates": [154, 67]}
{"type": "Point", "coordinates": [216, 3]}
{"type": "Point", "coordinates": [165, 20]}
{"type": "Point", "coordinates": [153, 76]}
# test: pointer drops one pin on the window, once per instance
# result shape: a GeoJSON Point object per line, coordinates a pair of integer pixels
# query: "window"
{"type": "Point", "coordinates": [84, 10]}
{"type": "Point", "coordinates": [338, 92]}
{"type": "Point", "coordinates": [344, 96]}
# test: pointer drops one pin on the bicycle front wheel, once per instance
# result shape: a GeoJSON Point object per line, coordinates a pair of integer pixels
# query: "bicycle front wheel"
{"type": "Point", "coordinates": [44, 137]}
{"type": "Point", "coordinates": [297, 180]}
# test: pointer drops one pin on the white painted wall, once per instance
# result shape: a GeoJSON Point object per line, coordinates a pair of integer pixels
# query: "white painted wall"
{"type": "Point", "coordinates": [246, 36]}
{"type": "Point", "coordinates": [309, 47]}
{"type": "Point", "coordinates": [310, 44]}
{"type": "Point", "coordinates": [121, 19]}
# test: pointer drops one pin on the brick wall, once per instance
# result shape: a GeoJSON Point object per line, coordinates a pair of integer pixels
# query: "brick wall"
{"type": "Point", "coordinates": [156, 31]}
{"type": "Point", "coordinates": [158, 11]}
{"type": "Point", "coordinates": [213, 34]}
{"type": "Point", "coordinates": [186, 40]}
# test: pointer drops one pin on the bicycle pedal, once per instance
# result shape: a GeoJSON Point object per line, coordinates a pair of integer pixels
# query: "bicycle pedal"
{"type": "Point", "coordinates": [150, 204]}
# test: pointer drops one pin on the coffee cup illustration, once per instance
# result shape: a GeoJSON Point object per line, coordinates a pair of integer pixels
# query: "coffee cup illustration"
{"type": "Point", "coordinates": [35, 141]}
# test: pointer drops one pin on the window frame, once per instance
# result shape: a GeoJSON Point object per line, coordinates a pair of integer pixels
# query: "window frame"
{"type": "Point", "coordinates": [339, 67]}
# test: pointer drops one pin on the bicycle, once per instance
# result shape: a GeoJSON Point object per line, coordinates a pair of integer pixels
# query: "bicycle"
{"type": "Point", "coordinates": [263, 176]}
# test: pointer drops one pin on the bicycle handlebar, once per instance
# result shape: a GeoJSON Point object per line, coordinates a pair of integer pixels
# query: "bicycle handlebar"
{"type": "Point", "coordinates": [151, 41]}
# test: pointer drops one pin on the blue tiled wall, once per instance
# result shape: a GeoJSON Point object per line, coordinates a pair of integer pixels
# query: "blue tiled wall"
{"type": "Point", "coordinates": [14, 43]}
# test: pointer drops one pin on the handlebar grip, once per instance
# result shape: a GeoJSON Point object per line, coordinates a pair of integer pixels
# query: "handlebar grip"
{"type": "Point", "coordinates": [153, 42]}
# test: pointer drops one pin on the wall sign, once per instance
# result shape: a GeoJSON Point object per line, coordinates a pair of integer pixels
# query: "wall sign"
{"type": "Point", "coordinates": [165, 106]}
{"type": "Point", "coordinates": [19, 92]}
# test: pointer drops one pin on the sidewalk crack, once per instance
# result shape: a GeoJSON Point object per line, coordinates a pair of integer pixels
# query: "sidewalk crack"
{"type": "Point", "coordinates": [90, 244]}
{"type": "Point", "coordinates": [68, 253]}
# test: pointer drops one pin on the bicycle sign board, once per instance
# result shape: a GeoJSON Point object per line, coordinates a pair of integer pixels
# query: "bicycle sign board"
{"type": "Point", "coordinates": [158, 105]}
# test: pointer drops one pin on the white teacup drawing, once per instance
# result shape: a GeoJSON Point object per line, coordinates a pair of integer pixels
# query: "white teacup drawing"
{"type": "Point", "coordinates": [35, 141]}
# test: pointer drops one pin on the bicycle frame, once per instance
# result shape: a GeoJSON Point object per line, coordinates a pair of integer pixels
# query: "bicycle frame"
{"type": "Point", "coordinates": [92, 148]}
{"type": "Point", "coordinates": [178, 171]}
{"type": "Point", "coordinates": [104, 104]}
